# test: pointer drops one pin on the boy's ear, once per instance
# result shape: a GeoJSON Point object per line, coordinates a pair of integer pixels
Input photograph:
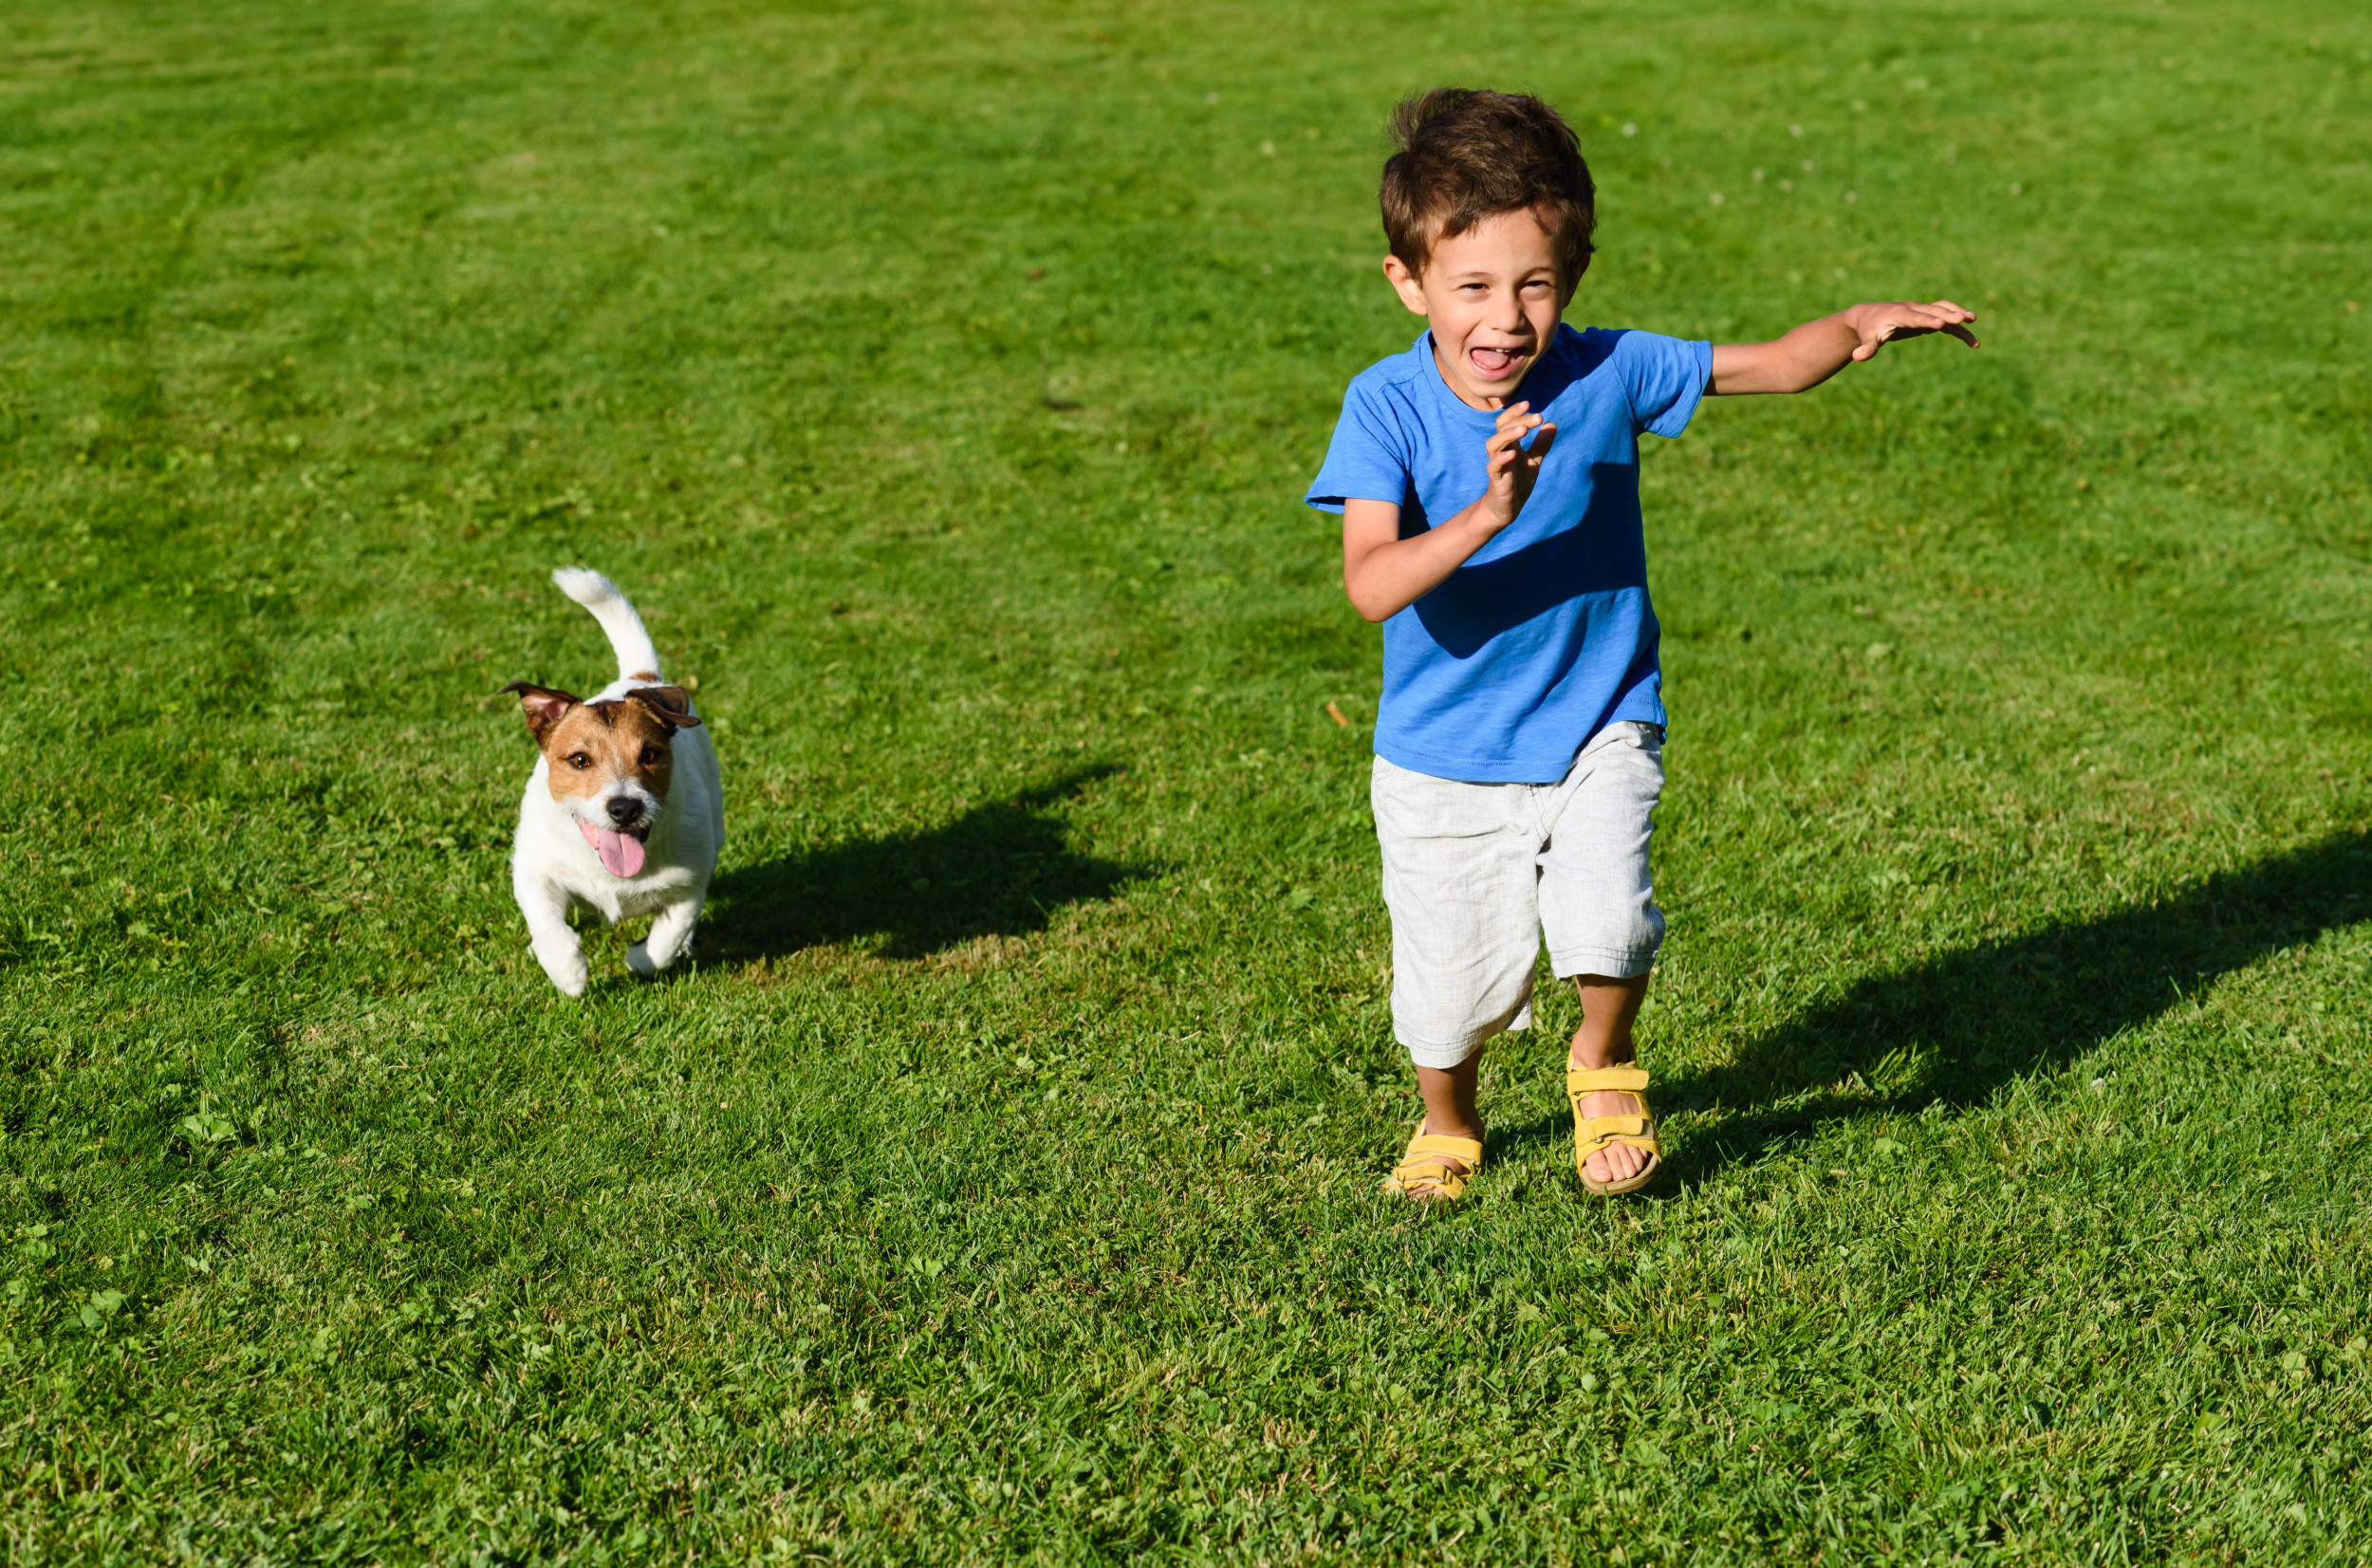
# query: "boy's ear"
{"type": "Point", "coordinates": [1404, 284]}
{"type": "Point", "coordinates": [542, 706]}
{"type": "Point", "coordinates": [1566, 290]}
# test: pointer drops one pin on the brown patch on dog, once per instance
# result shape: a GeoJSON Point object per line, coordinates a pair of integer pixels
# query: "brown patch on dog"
{"type": "Point", "coordinates": [644, 675]}
{"type": "Point", "coordinates": [598, 743]}
{"type": "Point", "coordinates": [541, 705]}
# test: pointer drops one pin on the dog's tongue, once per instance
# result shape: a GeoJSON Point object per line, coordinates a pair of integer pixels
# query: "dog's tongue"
{"type": "Point", "coordinates": [620, 852]}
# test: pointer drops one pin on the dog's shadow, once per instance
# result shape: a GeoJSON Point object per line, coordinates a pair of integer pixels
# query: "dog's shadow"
{"type": "Point", "coordinates": [1001, 869]}
{"type": "Point", "coordinates": [1962, 1026]}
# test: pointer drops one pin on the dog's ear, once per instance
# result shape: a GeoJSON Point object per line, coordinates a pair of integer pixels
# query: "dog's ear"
{"type": "Point", "coordinates": [673, 705]}
{"type": "Point", "coordinates": [543, 706]}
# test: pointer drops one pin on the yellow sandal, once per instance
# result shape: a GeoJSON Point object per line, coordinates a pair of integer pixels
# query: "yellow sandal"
{"type": "Point", "coordinates": [1420, 1176]}
{"type": "Point", "coordinates": [1592, 1134]}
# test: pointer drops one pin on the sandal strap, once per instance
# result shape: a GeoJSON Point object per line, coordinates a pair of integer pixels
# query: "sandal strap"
{"type": "Point", "coordinates": [1628, 1078]}
{"type": "Point", "coordinates": [1635, 1128]}
{"type": "Point", "coordinates": [1404, 1179]}
{"type": "Point", "coordinates": [1467, 1151]}
{"type": "Point", "coordinates": [1423, 1164]}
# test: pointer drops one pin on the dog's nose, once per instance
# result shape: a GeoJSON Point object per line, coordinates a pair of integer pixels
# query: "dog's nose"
{"type": "Point", "coordinates": [624, 809]}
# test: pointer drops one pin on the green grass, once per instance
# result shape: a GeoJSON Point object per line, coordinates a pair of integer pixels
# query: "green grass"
{"type": "Point", "coordinates": [942, 381]}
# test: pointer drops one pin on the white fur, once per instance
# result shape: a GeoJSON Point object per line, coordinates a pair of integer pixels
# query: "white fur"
{"type": "Point", "coordinates": [553, 868]}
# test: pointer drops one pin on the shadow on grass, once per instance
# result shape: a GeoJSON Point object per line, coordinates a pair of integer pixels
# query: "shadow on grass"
{"type": "Point", "coordinates": [998, 870]}
{"type": "Point", "coordinates": [1964, 1025]}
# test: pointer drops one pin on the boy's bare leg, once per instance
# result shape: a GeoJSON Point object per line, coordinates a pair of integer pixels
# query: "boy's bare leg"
{"type": "Point", "coordinates": [1608, 1007]}
{"type": "Point", "coordinates": [1449, 1109]}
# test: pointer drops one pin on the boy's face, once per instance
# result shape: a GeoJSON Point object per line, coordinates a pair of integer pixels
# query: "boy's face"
{"type": "Point", "coordinates": [1493, 298]}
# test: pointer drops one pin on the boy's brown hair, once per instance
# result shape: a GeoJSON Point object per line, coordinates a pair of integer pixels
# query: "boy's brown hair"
{"type": "Point", "coordinates": [1464, 156]}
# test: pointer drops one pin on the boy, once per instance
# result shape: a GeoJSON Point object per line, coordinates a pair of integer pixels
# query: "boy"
{"type": "Point", "coordinates": [1489, 485]}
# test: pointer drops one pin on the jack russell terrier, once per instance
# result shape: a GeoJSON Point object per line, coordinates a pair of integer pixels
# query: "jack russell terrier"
{"type": "Point", "coordinates": [623, 813]}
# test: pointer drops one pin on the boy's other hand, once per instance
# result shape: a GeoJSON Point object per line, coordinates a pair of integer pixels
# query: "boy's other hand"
{"type": "Point", "coordinates": [1817, 350]}
{"type": "Point", "coordinates": [1880, 324]}
{"type": "Point", "coordinates": [1514, 469]}
{"type": "Point", "coordinates": [1385, 573]}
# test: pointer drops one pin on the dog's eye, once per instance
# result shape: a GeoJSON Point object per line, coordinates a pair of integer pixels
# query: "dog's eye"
{"type": "Point", "coordinates": [580, 762]}
{"type": "Point", "coordinates": [650, 756]}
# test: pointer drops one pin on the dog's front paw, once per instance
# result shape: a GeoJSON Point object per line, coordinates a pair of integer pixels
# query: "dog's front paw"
{"type": "Point", "coordinates": [667, 944]}
{"type": "Point", "coordinates": [569, 972]}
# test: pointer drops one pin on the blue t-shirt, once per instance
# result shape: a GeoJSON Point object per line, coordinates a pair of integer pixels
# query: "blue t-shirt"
{"type": "Point", "coordinates": [1544, 635]}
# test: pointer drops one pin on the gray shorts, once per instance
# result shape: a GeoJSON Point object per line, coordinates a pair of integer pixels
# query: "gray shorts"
{"type": "Point", "coordinates": [1473, 874]}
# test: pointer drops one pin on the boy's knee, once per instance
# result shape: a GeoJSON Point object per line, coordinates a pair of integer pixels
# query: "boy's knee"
{"type": "Point", "coordinates": [1443, 1059]}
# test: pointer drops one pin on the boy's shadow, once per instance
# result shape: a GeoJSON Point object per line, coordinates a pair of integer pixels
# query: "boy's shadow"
{"type": "Point", "coordinates": [998, 870]}
{"type": "Point", "coordinates": [1970, 1022]}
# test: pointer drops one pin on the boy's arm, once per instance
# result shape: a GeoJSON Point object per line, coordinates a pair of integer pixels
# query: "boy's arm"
{"type": "Point", "coordinates": [1817, 350]}
{"type": "Point", "coordinates": [1384, 574]}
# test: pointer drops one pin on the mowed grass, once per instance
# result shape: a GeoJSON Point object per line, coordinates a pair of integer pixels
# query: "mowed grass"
{"type": "Point", "coordinates": [942, 380]}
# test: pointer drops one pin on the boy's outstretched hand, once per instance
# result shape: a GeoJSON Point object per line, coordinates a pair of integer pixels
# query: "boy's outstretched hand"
{"type": "Point", "coordinates": [1882, 324]}
{"type": "Point", "coordinates": [1817, 350]}
{"type": "Point", "coordinates": [1514, 471]}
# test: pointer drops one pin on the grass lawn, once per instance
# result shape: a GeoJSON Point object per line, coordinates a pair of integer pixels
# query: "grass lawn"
{"type": "Point", "coordinates": [942, 380]}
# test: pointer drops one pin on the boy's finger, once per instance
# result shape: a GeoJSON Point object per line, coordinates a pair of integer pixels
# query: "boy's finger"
{"type": "Point", "coordinates": [1944, 317]}
{"type": "Point", "coordinates": [1539, 449]}
{"type": "Point", "coordinates": [1508, 433]}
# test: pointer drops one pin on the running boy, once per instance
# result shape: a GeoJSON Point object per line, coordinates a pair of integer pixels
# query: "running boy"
{"type": "Point", "coordinates": [1489, 485]}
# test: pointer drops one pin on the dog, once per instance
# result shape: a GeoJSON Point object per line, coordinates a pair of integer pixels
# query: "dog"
{"type": "Point", "coordinates": [624, 813]}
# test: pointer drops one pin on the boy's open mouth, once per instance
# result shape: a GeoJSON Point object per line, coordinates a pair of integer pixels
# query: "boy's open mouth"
{"type": "Point", "coordinates": [1494, 364]}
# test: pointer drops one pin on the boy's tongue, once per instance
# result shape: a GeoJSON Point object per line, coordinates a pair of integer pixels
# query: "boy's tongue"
{"type": "Point", "coordinates": [620, 852]}
{"type": "Point", "coordinates": [1492, 365]}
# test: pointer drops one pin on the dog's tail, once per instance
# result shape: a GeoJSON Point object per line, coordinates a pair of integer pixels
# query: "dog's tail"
{"type": "Point", "coordinates": [637, 659]}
